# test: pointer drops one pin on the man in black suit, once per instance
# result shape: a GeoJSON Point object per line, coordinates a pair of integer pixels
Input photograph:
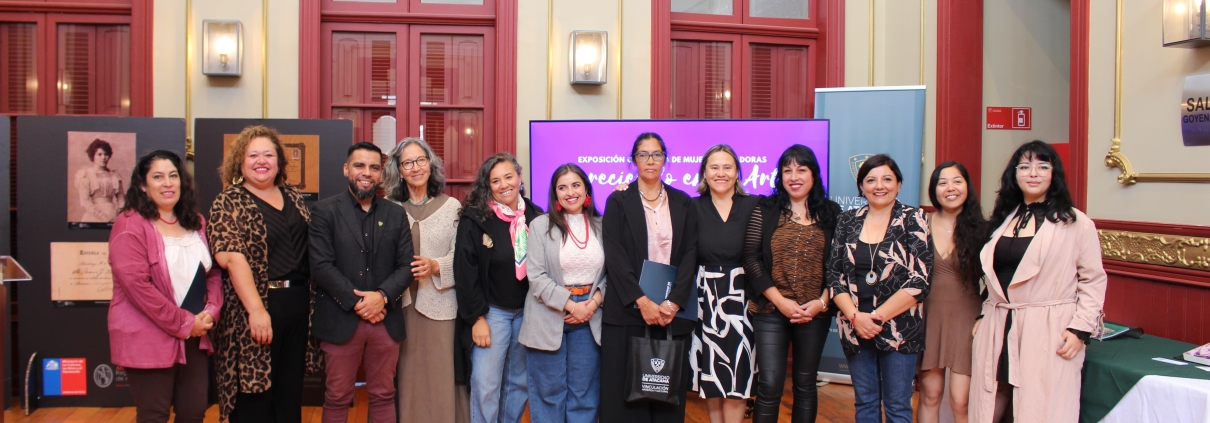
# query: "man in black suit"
{"type": "Point", "coordinates": [361, 254]}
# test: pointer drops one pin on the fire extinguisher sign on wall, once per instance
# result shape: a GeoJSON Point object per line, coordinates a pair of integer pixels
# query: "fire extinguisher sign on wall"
{"type": "Point", "coordinates": [1010, 118]}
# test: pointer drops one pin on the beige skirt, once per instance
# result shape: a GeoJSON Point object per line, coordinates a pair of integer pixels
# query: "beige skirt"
{"type": "Point", "coordinates": [426, 388]}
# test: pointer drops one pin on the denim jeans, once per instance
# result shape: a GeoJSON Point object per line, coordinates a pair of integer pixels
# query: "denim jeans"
{"type": "Point", "coordinates": [565, 384]}
{"type": "Point", "coordinates": [882, 379]}
{"type": "Point", "coordinates": [498, 385]}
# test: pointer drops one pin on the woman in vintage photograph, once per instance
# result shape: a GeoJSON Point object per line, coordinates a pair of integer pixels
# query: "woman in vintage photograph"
{"type": "Point", "coordinates": [99, 188]}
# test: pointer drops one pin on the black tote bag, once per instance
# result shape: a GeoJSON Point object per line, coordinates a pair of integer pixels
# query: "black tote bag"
{"type": "Point", "coordinates": [654, 371]}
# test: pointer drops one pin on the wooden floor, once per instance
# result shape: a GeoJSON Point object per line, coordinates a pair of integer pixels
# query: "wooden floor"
{"type": "Point", "coordinates": [835, 406]}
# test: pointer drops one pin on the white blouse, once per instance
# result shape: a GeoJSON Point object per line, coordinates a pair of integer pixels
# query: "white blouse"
{"type": "Point", "coordinates": [183, 255]}
{"type": "Point", "coordinates": [580, 266]}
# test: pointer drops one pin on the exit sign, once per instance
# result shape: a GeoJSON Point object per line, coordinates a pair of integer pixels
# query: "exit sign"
{"type": "Point", "coordinates": [1009, 117]}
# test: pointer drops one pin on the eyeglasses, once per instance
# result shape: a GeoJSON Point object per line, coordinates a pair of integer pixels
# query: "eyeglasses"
{"type": "Point", "coordinates": [646, 157]}
{"type": "Point", "coordinates": [422, 162]}
{"type": "Point", "coordinates": [1041, 168]}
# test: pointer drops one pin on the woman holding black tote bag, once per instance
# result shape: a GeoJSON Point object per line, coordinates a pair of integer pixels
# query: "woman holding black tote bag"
{"type": "Point", "coordinates": [647, 221]}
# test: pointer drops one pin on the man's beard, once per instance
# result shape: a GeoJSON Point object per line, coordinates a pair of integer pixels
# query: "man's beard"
{"type": "Point", "coordinates": [360, 193]}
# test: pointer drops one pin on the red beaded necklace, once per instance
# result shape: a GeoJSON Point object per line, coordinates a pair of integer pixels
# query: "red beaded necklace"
{"type": "Point", "coordinates": [580, 244]}
{"type": "Point", "coordinates": [173, 222]}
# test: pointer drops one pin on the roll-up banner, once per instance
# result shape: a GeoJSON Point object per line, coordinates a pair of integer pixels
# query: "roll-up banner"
{"type": "Point", "coordinates": [866, 121]}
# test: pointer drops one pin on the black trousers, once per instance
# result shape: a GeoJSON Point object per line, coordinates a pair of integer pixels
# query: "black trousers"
{"type": "Point", "coordinates": [282, 403]}
{"type": "Point", "coordinates": [182, 386]}
{"type": "Point", "coordinates": [615, 354]}
{"type": "Point", "coordinates": [774, 334]}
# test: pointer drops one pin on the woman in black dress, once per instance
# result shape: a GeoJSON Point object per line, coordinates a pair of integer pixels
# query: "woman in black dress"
{"type": "Point", "coordinates": [648, 221]}
{"type": "Point", "coordinates": [721, 354]}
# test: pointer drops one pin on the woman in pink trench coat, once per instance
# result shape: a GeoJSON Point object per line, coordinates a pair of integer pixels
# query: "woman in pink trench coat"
{"type": "Point", "coordinates": [1055, 295]}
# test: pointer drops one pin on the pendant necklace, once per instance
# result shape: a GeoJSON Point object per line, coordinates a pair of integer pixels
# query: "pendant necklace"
{"type": "Point", "coordinates": [871, 277]}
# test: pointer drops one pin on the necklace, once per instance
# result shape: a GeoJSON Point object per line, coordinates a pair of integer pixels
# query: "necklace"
{"type": "Point", "coordinates": [426, 201]}
{"type": "Point", "coordinates": [173, 222]}
{"type": "Point", "coordinates": [657, 195]}
{"type": "Point", "coordinates": [871, 277]}
{"type": "Point", "coordinates": [579, 244]}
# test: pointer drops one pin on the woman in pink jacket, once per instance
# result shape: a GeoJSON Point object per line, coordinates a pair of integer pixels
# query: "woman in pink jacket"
{"type": "Point", "coordinates": [166, 291]}
{"type": "Point", "coordinates": [1046, 289]}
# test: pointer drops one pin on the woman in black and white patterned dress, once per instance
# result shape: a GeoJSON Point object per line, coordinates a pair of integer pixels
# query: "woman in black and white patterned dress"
{"type": "Point", "coordinates": [721, 352]}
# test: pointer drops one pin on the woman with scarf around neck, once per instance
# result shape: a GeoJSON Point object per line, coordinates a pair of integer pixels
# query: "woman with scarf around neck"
{"type": "Point", "coordinates": [648, 221]}
{"type": "Point", "coordinates": [878, 271]}
{"type": "Point", "coordinates": [1046, 291]}
{"type": "Point", "coordinates": [491, 284]}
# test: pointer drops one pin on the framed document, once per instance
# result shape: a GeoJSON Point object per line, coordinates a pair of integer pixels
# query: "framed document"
{"type": "Point", "coordinates": [79, 272]}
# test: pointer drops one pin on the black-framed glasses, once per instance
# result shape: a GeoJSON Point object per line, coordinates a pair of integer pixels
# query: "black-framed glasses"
{"type": "Point", "coordinates": [422, 162]}
{"type": "Point", "coordinates": [646, 157]}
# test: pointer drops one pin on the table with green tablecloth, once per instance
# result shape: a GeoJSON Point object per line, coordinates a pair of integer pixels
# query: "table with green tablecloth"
{"type": "Point", "coordinates": [1112, 368]}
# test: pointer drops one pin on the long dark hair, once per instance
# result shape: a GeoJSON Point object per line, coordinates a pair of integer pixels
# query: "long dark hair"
{"type": "Point", "coordinates": [555, 215]}
{"type": "Point", "coordinates": [141, 203]}
{"type": "Point", "coordinates": [481, 189]}
{"type": "Point", "coordinates": [1058, 199]}
{"type": "Point", "coordinates": [817, 197]}
{"type": "Point", "coordinates": [970, 229]}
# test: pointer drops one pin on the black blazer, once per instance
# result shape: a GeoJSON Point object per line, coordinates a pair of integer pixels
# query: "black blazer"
{"type": "Point", "coordinates": [625, 235]}
{"type": "Point", "coordinates": [336, 260]}
{"type": "Point", "coordinates": [758, 246]}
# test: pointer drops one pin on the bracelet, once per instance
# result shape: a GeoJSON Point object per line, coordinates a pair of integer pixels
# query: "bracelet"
{"type": "Point", "coordinates": [822, 303]}
{"type": "Point", "coordinates": [671, 305]}
{"type": "Point", "coordinates": [594, 300]}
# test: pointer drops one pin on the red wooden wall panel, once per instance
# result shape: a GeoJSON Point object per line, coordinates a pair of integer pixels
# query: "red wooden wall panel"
{"type": "Point", "coordinates": [1165, 309]}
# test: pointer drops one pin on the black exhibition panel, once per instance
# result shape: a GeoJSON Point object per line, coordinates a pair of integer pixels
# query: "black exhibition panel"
{"type": "Point", "coordinates": [66, 330]}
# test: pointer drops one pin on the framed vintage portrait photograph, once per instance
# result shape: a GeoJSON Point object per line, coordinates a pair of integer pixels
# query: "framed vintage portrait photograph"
{"type": "Point", "coordinates": [98, 172]}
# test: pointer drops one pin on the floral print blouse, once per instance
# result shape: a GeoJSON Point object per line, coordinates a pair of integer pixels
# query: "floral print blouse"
{"type": "Point", "coordinates": [904, 262]}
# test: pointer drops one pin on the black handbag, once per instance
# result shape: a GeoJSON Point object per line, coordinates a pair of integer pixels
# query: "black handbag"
{"type": "Point", "coordinates": [654, 371]}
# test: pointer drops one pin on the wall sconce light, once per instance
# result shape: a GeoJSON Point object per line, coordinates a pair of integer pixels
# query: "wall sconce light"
{"type": "Point", "coordinates": [1185, 24]}
{"type": "Point", "coordinates": [222, 47]}
{"type": "Point", "coordinates": [587, 57]}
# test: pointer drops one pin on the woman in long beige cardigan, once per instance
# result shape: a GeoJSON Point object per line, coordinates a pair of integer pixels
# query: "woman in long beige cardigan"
{"type": "Point", "coordinates": [1046, 289]}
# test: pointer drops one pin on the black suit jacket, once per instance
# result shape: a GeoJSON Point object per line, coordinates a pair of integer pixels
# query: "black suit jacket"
{"type": "Point", "coordinates": [337, 260]}
{"type": "Point", "coordinates": [625, 235]}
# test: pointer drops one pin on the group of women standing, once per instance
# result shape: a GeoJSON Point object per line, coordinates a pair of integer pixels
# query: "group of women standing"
{"type": "Point", "coordinates": [514, 306]}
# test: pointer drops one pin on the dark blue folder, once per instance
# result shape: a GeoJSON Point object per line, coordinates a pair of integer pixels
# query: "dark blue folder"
{"type": "Point", "coordinates": [657, 280]}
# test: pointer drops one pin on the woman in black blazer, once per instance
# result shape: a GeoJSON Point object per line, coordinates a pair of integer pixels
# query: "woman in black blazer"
{"type": "Point", "coordinates": [785, 257]}
{"type": "Point", "coordinates": [646, 203]}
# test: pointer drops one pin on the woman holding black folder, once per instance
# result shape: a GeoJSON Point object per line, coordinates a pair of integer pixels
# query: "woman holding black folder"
{"type": "Point", "coordinates": [166, 291]}
{"type": "Point", "coordinates": [648, 221]}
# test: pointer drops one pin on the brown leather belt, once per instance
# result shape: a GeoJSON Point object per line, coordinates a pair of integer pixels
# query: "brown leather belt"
{"type": "Point", "coordinates": [579, 290]}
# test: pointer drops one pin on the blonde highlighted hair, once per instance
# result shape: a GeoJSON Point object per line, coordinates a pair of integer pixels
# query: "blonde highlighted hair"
{"type": "Point", "coordinates": [702, 187]}
{"type": "Point", "coordinates": [233, 161]}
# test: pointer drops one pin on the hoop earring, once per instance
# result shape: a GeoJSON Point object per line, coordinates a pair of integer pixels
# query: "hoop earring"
{"type": "Point", "coordinates": [237, 180]}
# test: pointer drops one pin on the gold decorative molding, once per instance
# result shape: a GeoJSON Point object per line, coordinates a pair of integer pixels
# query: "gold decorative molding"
{"type": "Point", "coordinates": [871, 43]}
{"type": "Point", "coordinates": [1163, 250]}
{"type": "Point", "coordinates": [1115, 158]}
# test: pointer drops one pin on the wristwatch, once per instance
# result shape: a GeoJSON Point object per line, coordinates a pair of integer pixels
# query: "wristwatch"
{"type": "Point", "coordinates": [384, 297]}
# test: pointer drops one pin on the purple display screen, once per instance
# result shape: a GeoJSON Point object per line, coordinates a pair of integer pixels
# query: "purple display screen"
{"type": "Point", "coordinates": [602, 147]}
